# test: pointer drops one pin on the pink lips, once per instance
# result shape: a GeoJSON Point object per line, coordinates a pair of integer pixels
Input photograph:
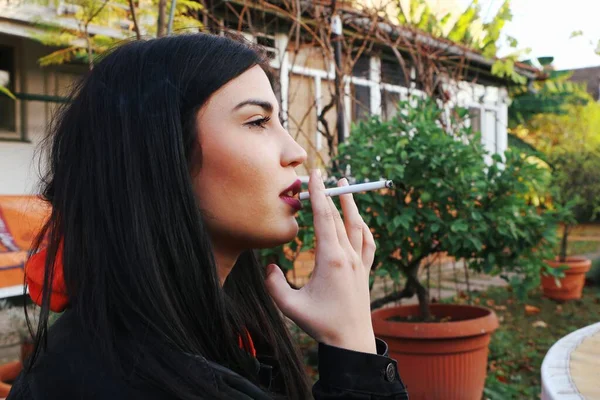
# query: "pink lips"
{"type": "Point", "coordinates": [294, 188]}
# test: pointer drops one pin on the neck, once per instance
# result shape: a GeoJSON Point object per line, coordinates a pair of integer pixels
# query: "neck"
{"type": "Point", "coordinates": [225, 259]}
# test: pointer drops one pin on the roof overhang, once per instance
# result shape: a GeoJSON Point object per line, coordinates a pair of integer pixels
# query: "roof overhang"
{"type": "Point", "coordinates": [24, 20]}
{"type": "Point", "coordinates": [358, 18]}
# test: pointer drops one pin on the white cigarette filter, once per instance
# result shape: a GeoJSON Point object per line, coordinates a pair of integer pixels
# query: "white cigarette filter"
{"type": "Point", "coordinates": [361, 187]}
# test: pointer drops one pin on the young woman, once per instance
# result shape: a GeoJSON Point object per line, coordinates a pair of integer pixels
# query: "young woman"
{"type": "Point", "coordinates": [165, 170]}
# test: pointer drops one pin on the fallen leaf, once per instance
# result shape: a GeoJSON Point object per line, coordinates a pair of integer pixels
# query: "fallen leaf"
{"type": "Point", "coordinates": [539, 324]}
{"type": "Point", "coordinates": [509, 301]}
{"type": "Point", "coordinates": [490, 302]}
{"type": "Point", "coordinates": [476, 300]}
{"type": "Point", "coordinates": [502, 378]}
{"type": "Point", "coordinates": [559, 309]}
{"type": "Point", "coordinates": [531, 310]}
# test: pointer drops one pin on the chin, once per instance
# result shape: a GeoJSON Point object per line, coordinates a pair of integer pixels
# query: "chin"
{"type": "Point", "coordinates": [277, 236]}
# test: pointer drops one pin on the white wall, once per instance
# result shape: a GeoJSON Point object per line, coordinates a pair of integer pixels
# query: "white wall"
{"type": "Point", "coordinates": [492, 103]}
{"type": "Point", "coordinates": [16, 172]}
{"type": "Point", "coordinates": [19, 166]}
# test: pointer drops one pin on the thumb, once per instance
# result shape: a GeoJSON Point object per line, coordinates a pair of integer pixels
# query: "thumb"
{"type": "Point", "coordinates": [280, 289]}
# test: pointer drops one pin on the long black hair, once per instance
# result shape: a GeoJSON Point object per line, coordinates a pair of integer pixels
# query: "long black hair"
{"type": "Point", "coordinates": [138, 264]}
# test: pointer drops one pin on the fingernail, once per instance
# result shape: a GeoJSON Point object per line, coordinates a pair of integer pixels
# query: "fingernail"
{"type": "Point", "coordinates": [343, 182]}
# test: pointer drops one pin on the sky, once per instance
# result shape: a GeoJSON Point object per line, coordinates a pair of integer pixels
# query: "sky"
{"type": "Point", "coordinates": [545, 26]}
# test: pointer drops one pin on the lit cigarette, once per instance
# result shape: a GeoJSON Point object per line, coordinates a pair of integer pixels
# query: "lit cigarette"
{"type": "Point", "coordinates": [361, 187]}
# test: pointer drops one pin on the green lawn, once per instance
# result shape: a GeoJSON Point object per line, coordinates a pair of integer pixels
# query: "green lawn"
{"type": "Point", "coordinates": [518, 347]}
{"type": "Point", "coordinates": [581, 247]}
{"type": "Point", "coordinates": [589, 230]}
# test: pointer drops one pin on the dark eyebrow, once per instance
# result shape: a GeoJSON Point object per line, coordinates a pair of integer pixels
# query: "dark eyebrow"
{"type": "Point", "coordinates": [265, 105]}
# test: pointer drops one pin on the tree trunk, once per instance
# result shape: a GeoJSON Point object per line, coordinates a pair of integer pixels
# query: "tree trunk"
{"type": "Point", "coordinates": [421, 295]}
{"type": "Point", "coordinates": [136, 27]}
{"type": "Point", "coordinates": [161, 23]}
{"type": "Point", "coordinates": [407, 292]}
{"type": "Point", "coordinates": [466, 268]}
{"type": "Point", "coordinates": [86, 24]}
{"type": "Point", "coordinates": [412, 286]}
{"type": "Point", "coordinates": [89, 48]}
{"type": "Point", "coordinates": [564, 243]}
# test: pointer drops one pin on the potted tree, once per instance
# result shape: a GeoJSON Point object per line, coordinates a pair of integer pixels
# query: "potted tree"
{"type": "Point", "coordinates": [446, 199]}
{"type": "Point", "coordinates": [576, 194]}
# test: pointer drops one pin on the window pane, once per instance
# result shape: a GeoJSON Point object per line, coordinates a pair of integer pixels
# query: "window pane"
{"type": "Point", "coordinates": [490, 130]}
{"type": "Point", "coordinates": [392, 73]}
{"type": "Point", "coordinates": [389, 103]}
{"type": "Point", "coordinates": [274, 78]}
{"type": "Point", "coordinates": [361, 98]}
{"type": "Point", "coordinates": [475, 117]}
{"type": "Point", "coordinates": [268, 43]}
{"type": "Point", "coordinates": [361, 67]}
{"type": "Point", "coordinates": [7, 77]}
{"type": "Point", "coordinates": [302, 117]}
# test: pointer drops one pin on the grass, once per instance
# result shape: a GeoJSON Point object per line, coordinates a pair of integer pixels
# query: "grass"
{"type": "Point", "coordinates": [580, 247]}
{"type": "Point", "coordinates": [587, 229]}
{"type": "Point", "coordinates": [518, 347]}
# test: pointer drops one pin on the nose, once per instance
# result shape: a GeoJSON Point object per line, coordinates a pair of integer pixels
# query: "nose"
{"type": "Point", "coordinates": [292, 153]}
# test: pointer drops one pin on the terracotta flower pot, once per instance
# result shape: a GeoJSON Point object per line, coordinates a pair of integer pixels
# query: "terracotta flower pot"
{"type": "Point", "coordinates": [439, 361]}
{"type": "Point", "coordinates": [572, 284]}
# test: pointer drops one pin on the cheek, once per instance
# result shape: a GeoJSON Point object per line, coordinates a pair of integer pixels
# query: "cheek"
{"type": "Point", "coordinates": [236, 190]}
{"type": "Point", "coordinates": [231, 171]}
{"type": "Point", "coordinates": [223, 180]}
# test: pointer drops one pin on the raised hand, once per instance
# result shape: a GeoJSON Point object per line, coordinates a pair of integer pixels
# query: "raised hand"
{"type": "Point", "coordinates": [334, 306]}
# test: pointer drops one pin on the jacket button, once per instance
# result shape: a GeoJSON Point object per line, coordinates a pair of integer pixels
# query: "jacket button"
{"type": "Point", "coordinates": [390, 373]}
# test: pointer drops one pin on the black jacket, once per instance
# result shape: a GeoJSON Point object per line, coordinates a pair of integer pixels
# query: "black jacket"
{"type": "Point", "coordinates": [69, 370]}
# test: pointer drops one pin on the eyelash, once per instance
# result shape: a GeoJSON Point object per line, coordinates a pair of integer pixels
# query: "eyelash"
{"type": "Point", "coordinates": [259, 123]}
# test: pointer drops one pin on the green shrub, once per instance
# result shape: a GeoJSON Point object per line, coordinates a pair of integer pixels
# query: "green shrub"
{"type": "Point", "coordinates": [446, 199]}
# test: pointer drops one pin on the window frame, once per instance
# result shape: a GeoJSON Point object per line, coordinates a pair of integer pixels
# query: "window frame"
{"type": "Point", "coordinates": [18, 134]}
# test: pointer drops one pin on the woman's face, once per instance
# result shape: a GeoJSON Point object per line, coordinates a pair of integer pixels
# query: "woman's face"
{"type": "Point", "coordinates": [248, 161]}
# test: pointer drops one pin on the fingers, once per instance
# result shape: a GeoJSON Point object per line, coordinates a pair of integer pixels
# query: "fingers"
{"type": "Point", "coordinates": [281, 292]}
{"type": "Point", "coordinates": [323, 216]}
{"type": "Point", "coordinates": [368, 248]}
{"type": "Point", "coordinates": [350, 234]}
{"type": "Point", "coordinates": [340, 229]}
{"type": "Point", "coordinates": [353, 222]}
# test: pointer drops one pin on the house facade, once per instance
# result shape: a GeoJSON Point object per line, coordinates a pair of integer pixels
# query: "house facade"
{"type": "Point", "coordinates": [590, 77]}
{"type": "Point", "coordinates": [304, 84]}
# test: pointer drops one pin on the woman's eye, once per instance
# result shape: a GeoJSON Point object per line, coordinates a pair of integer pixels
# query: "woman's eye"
{"type": "Point", "coordinates": [259, 123]}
